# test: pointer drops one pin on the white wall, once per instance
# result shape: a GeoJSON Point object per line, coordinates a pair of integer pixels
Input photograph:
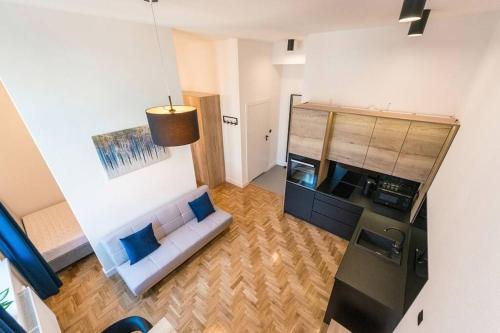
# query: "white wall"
{"type": "Point", "coordinates": [281, 56]}
{"type": "Point", "coordinates": [241, 71]}
{"type": "Point", "coordinates": [196, 62]}
{"type": "Point", "coordinates": [462, 292]}
{"type": "Point", "coordinates": [228, 87]}
{"type": "Point", "coordinates": [73, 76]}
{"type": "Point", "coordinates": [26, 183]}
{"type": "Point", "coordinates": [291, 82]}
{"type": "Point", "coordinates": [258, 81]}
{"type": "Point", "coordinates": [375, 67]}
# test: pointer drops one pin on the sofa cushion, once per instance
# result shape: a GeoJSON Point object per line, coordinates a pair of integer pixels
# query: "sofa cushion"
{"type": "Point", "coordinates": [153, 268]}
{"type": "Point", "coordinates": [184, 238]}
{"type": "Point", "coordinates": [140, 244]}
{"type": "Point", "coordinates": [211, 224]}
{"type": "Point", "coordinates": [166, 254]}
{"type": "Point", "coordinates": [169, 219]}
{"type": "Point", "coordinates": [139, 275]}
{"type": "Point", "coordinates": [202, 207]}
{"type": "Point", "coordinates": [112, 244]}
{"type": "Point", "coordinates": [183, 202]}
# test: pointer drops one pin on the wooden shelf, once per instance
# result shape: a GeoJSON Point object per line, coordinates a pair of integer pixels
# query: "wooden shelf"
{"type": "Point", "coordinates": [376, 113]}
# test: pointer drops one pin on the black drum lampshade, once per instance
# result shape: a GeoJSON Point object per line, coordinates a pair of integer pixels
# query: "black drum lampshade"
{"type": "Point", "coordinates": [173, 126]}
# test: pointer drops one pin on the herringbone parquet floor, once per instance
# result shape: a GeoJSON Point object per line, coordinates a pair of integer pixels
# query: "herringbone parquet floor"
{"type": "Point", "coordinates": [268, 273]}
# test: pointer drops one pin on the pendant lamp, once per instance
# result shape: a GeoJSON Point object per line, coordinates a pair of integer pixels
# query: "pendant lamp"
{"type": "Point", "coordinates": [171, 125]}
{"type": "Point", "coordinates": [412, 10]}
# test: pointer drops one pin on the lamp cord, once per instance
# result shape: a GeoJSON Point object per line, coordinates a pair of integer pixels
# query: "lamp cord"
{"type": "Point", "coordinates": [163, 65]}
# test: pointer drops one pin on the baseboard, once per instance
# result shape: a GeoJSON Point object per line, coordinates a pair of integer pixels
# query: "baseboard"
{"type": "Point", "coordinates": [237, 183]}
{"type": "Point", "coordinates": [282, 163]}
{"type": "Point", "coordinates": [109, 272]}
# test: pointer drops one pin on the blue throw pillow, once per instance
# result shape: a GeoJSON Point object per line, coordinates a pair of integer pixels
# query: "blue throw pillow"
{"type": "Point", "coordinates": [202, 207]}
{"type": "Point", "coordinates": [140, 244]}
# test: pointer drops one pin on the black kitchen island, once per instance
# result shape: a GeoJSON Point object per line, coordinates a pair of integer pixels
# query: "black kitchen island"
{"type": "Point", "coordinates": [372, 292]}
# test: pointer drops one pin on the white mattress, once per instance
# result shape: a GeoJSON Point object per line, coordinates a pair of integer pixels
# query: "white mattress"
{"type": "Point", "coordinates": [54, 231]}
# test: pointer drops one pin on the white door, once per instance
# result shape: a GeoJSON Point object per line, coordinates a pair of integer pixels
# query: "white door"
{"type": "Point", "coordinates": [258, 138]}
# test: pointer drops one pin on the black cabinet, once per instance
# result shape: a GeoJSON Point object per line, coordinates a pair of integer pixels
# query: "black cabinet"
{"type": "Point", "coordinates": [358, 312]}
{"type": "Point", "coordinates": [342, 230]}
{"type": "Point", "coordinates": [299, 201]}
{"type": "Point", "coordinates": [334, 215]}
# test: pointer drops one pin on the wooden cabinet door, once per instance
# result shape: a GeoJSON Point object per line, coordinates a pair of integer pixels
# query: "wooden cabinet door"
{"type": "Point", "coordinates": [307, 133]}
{"type": "Point", "coordinates": [425, 139]}
{"type": "Point", "coordinates": [385, 145]}
{"type": "Point", "coordinates": [420, 150]}
{"type": "Point", "coordinates": [414, 167]}
{"type": "Point", "coordinates": [208, 151]}
{"type": "Point", "coordinates": [350, 138]}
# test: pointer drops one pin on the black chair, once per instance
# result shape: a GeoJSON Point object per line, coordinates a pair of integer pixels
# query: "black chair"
{"type": "Point", "coordinates": [128, 325]}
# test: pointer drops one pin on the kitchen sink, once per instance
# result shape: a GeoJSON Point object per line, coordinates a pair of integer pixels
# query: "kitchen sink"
{"type": "Point", "coordinates": [379, 245]}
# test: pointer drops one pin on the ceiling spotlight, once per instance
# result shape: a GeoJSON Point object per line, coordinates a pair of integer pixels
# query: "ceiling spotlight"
{"type": "Point", "coordinates": [291, 45]}
{"type": "Point", "coordinates": [417, 28]}
{"type": "Point", "coordinates": [412, 10]}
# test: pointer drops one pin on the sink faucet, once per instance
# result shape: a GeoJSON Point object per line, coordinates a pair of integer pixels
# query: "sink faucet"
{"type": "Point", "coordinates": [397, 247]}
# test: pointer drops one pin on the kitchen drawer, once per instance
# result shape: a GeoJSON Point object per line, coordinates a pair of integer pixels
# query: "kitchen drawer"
{"type": "Point", "coordinates": [339, 214]}
{"type": "Point", "coordinates": [342, 230]}
{"type": "Point", "coordinates": [339, 203]}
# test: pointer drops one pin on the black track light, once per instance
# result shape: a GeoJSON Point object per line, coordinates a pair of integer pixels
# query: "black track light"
{"type": "Point", "coordinates": [291, 45]}
{"type": "Point", "coordinates": [417, 28]}
{"type": "Point", "coordinates": [412, 10]}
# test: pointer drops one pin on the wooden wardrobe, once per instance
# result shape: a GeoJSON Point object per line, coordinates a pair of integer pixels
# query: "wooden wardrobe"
{"type": "Point", "coordinates": [208, 152]}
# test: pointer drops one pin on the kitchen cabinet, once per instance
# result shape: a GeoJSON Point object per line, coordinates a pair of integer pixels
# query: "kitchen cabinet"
{"type": "Point", "coordinates": [334, 215]}
{"type": "Point", "coordinates": [350, 138]}
{"type": "Point", "coordinates": [406, 145]}
{"type": "Point", "coordinates": [298, 201]}
{"type": "Point", "coordinates": [385, 144]}
{"type": "Point", "coordinates": [307, 133]}
{"type": "Point", "coordinates": [414, 167]}
{"type": "Point", "coordinates": [425, 139]}
{"type": "Point", "coordinates": [420, 150]}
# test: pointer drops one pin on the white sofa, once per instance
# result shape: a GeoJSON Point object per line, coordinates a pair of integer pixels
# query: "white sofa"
{"type": "Point", "coordinates": [179, 234]}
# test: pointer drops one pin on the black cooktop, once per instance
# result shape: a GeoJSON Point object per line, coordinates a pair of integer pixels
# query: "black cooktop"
{"type": "Point", "coordinates": [343, 190]}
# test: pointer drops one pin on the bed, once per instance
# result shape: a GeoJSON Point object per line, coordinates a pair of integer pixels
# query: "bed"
{"type": "Point", "coordinates": [56, 233]}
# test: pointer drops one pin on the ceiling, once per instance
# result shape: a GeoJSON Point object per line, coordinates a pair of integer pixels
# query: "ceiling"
{"type": "Point", "coordinates": [263, 19]}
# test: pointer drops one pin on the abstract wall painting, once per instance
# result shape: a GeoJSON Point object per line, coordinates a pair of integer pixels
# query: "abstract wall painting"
{"type": "Point", "coordinates": [128, 150]}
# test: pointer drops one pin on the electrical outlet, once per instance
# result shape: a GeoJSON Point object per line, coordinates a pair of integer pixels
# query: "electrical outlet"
{"type": "Point", "coordinates": [420, 317]}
